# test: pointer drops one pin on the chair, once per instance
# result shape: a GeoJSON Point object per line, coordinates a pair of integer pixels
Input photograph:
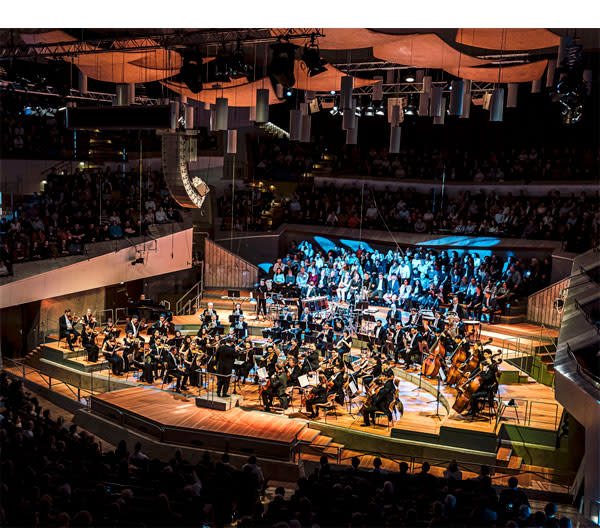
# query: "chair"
{"type": "Point", "coordinates": [379, 414]}
{"type": "Point", "coordinates": [328, 406]}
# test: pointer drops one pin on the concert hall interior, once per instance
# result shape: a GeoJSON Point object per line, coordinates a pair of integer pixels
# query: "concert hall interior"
{"type": "Point", "coordinates": [300, 276]}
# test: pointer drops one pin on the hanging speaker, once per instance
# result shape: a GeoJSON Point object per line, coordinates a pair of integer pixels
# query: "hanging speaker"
{"type": "Point", "coordinates": [347, 85]}
{"type": "Point", "coordinates": [441, 119]}
{"type": "Point", "coordinates": [536, 85]}
{"type": "Point", "coordinates": [457, 98]}
{"type": "Point", "coordinates": [352, 135]}
{"type": "Point", "coordinates": [425, 96]}
{"type": "Point", "coordinates": [83, 82]}
{"type": "Point", "coordinates": [231, 141]}
{"type": "Point", "coordinates": [512, 95]}
{"type": "Point", "coordinates": [222, 113]}
{"type": "Point", "coordinates": [395, 134]}
{"type": "Point", "coordinates": [466, 113]}
{"type": "Point", "coordinates": [436, 101]}
{"type": "Point", "coordinates": [395, 115]}
{"type": "Point", "coordinates": [189, 117]}
{"type": "Point", "coordinates": [305, 120]}
{"type": "Point", "coordinates": [497, 105]}
{"type": "Point", "coordinates": [212, 122]}
{"type": "Point", "coordinates": [587, 81]}
{"type": "Point", "coordinates": [262, 105]}
{"type": "Point", "coordinates": [377, 89]}
{"type": "Point", "coordinates": [550, 71]}
{"type": "Point", "coordinates": [295, 125]}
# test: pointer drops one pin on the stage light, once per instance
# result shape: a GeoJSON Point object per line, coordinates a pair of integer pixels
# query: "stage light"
{"type": "Point", "coordinates": [370, 110]}
{"type": "Point", "coordinates": [281, 67]}
{"type": "Point", "coordinates": [409, 78]}
{"type": "Point", "coordinates": [380, 110]}
{"type": "Point", "coordinates": [312, 59]}
{"type": "Point", "coordinates": [288, 93]}
{"type": "Point", "coordinates": [332, 92]}
{"type": "Point", "coordinates": [410, 110]}
{"type": "Point", "coordinates": [358, 110]}
{"type": "Point", "coordinates": [191, 72]}
{"type": "Point", "coordinates": [335, 110]}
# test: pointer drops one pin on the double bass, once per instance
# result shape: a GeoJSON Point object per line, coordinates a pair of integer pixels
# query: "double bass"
{"type": "Point", "coordinates": [465, 394]}
{"type": "Point", "coordinates": [458, 359]}
{"type": "Point", "coordinates": [433, 362]}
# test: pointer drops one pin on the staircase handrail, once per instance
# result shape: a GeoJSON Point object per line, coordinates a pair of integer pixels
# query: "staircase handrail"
{"type": "Point", "coordinates": [184, 304]}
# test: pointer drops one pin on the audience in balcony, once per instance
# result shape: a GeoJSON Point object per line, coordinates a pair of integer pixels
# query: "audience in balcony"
{"type": "Point", "coordinates": [574, 219]}
{"type": "Point", "coordinates": [54, 474]}
{"type": "Point", "coordinates": [67, 216]}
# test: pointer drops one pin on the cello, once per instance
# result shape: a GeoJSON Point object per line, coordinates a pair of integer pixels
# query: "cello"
{"type": "Point", "coordinates": [458, 359]}
{"type": "Point", "coordinates": [433, 362]}
{"type": "Point", "coordinates": [465, 394]}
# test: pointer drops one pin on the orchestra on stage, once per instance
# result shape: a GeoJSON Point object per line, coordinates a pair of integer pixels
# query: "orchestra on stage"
{"type": "Point", "coordinates": [314, 354]}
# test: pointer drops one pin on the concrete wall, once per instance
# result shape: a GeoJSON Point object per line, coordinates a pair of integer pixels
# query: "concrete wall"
{"type": "Point", "coordinates": [163, 255]}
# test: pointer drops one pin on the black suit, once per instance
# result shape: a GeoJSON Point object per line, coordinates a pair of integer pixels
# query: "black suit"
{"type": "Point", "coordinates": [135, 329]}
{"type": "Point", "coordinates": [224, 360]}
{"type": "Point", "coordinates": [379, 337]}
{"type": "Point", "coordinates": [65, 331]}
{"type": "Point", "coordinates": [173, 369]}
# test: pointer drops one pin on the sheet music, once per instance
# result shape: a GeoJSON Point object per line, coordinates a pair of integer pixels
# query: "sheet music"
{"type": "Point", "coordinates": [303, 380]}
{"type": "Point", "coordinates": [353, 388]}
{"type": "Point", "coordinates": [262, 373]}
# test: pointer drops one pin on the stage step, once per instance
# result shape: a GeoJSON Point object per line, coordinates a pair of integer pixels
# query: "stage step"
{"type": "Point", "coordinates": [308, 435]}
{"type": "Point", "coordinates": [333, 449]}
{"type": "Point", "coordinates": [322, 441]}
{"type": "Point", "coordinates": [504, 454]}
{"type": "Point", "coordinates": [515, 462]}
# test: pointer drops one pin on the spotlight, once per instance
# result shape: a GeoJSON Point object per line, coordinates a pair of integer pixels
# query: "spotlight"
{"type": "Point", "coordinates": [312, 59]}
{"type": "Point", "coordinates": [288, 93]}
{"type": "Point", "coordinates": [332, 92]}
{"type": "Point", "coordinates": [335, 110]}
{"type": "Point", "coordinates": [410, 78]}
{"type": "Point", "coordinates": [409, 110]}
{"type": "Point", "coordinates": [281, 67]}
{"type": "Point", "coordinates": [370, 110]}
{"type": "Point", "coordinates": [358, 110]}
{"type": "Point", "coordinates": [380, 110]}
{"type": "Point", "coordinates": [238, 66]}
{"type": "Point", "coordinates": [191, 72]}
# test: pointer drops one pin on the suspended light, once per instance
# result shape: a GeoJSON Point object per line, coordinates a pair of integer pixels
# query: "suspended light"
{"type": "Point", "coordinates": [358, 110]}
{"type": "Point", "coordinates": [380, 111]}
{"type": "Point", "coordinates": [410, 110]}
{"type": "Point", "coordinates": [191, 72]}
{"type": "Point", "coordinates": [262, 105]}
{"type": "Point", "coordinates": [312, 59]}
{"type": "Point", "coordinates": [332, 92]}
{"type": "Point", "coordinates": [281, 67]}
{"type": "Point", "coordinates": [335, 110]}
{"type": "Point", "coordinates": [288, 93]}
{"type": "Point", "coordinates": [409, 78]}
{"type": "Point", "coordinates": [497, 105]}
{"type": "Point", "coordinates": [370, 110]}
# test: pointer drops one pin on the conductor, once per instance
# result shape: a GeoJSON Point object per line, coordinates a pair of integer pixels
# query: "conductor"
{"type": "Point", "coordinates": [224, 363]}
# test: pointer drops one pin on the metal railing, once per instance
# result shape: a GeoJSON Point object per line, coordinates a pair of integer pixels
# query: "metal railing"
{"type": "Point", "coordinates": [190, 300]}
{"type": "Point", "coordinates": [415, 463]}
{"type": "Point", "coordinates": [79, 393]}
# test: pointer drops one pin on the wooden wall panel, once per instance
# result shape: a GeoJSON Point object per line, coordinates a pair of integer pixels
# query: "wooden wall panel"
{"type": "Point", "coordinates": [224, 269]}
{"type": "Point", "coordinates": [540, 305]}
